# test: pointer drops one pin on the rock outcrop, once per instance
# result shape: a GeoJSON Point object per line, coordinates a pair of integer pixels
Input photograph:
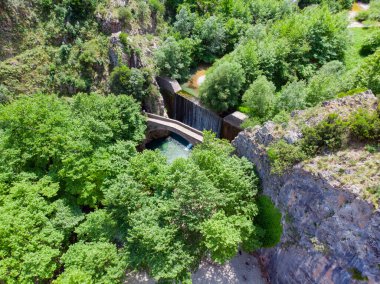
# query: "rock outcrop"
{"type": "Point", "coordinates": [331, 234]}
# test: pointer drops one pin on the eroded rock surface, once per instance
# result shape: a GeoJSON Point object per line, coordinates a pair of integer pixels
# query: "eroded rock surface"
{"type": "Point", "coordinates": [331, 234]}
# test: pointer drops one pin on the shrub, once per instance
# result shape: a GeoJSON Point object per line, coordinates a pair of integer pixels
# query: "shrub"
{"type": "Point", "coordinates": [283, 156]}
{"type": "Point", "coordinates": [362, 16]}
{"type": "Point", "coordinates": [369, 73]}
{"type": "Point", "coordinates": [123, 37]}
{"type": "Point", "coordinates": [125, 14]}
{"type": "Point", "coordinates": [370, 44]}
{"type": "Point", "coordinates": [157, 6]}
{"type": "Point", "coordinates": [129, 82]}
{"type": "Point", "coordinates": [365, 125]}
{"type": "Point", "coordinates": [351, 92]}
{"type": "Point", "coordinates": [80, 9]}
{"type": "Point", "coordinates": [4, 94]}
{"type": "Point", "coordinates": [268, 219]}
{"type": "Point", "coordinates": [357, 275]}
{"type": "Point", "coordinates": [328, 134]}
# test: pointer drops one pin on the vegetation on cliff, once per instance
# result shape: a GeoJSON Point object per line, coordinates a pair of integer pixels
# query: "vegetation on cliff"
{"type": "Point", "coordinates": [331, 134]}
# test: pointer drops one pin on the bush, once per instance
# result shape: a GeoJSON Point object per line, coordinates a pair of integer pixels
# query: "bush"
{"type": "Point", "coordinates": [365, 125]}
{"type": "Point", "coordinates": [157, 6]}
{"type": "Point", "coordinates": [80, 9]}
{"type": "Point", "coordinates": [328, 134]}
{"type": "Point", "coordinates": [268, 219]}
{"type": "Point", "coordinates": [5, 95]}
{"type": "Point", "coordinates": [222, 87]}
{"type": "Point", "coordinates": [369, 73]}
{"type": "Point", "coordinates": [129, 82]}
{"type": "Point", "coordinates": [362, 16]}
{"type": "Point", "coordinates": [125, 14]}
{"type": "Point", "coordinates": [283, 156]}
{"type": "Point", "coordinates": [351, 92]}
{"type": "Point", "coordinates": [370, 44]}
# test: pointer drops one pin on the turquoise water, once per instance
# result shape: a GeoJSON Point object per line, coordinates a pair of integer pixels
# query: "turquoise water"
{"type": "Point", "coordinates": [172, 147]}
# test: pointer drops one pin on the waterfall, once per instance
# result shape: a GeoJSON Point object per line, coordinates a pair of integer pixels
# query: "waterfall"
{"type": "Point", "coordinates": [190, 112]}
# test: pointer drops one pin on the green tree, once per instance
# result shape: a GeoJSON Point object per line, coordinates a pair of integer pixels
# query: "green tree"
{"type": "Point", "coordinates": [222, 87]}
{"type": "Point", "coordinates": [326, 83]}
{"type": "Point", "coordinates": [212, 34]}
{"type": "Point", "coordinates": [128, 81]}
{"type": "Point", "coordinates": [292, 97]}
{"type": "Point", "coordinates": [335, 5]}
{"type": "Point", "coordinates": [368, 73]}
{"type": "Point", "coordinates": [35, 132]}
{"type": "Point", "coordinates": [72, 143]}
{"type": "Point", "coordinates": [174, 58]}
{"type": "Point", "coordinates": [110, 118]}
{"type": "Point", "coordinates": [260, 97]}
{"type": "Point", "coordinates": [98, 226]}
{"type": "Point", "coordinates": [185, 21]}
{"type": "Point", "coordinates": [97, 262]}
{"type": "Point", "coordinates": [31, 237]}
{"type": "Point", "coordinates": [222, 235]}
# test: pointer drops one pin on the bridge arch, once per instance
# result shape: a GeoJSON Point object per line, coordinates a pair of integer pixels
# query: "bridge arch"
{"type": "Point", "coordinates": [157, 122]}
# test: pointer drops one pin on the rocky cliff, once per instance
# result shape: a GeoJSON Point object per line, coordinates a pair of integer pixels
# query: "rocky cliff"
{"type": "Point", "coordinates": [141, 39]}
{"type": "Point", "coordinates": [331, 232]}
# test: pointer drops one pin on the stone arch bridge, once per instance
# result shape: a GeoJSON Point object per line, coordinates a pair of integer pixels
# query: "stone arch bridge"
{"type": "Point", "coordinates": [157, 122]}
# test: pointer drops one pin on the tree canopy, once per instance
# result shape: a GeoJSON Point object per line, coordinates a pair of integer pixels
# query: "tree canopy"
{"type": "Point", "coordinates": [89, 206]}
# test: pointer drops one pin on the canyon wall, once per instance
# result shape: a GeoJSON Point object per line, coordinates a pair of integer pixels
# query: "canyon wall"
{"type": "Point", "coordinates": [331, 233]}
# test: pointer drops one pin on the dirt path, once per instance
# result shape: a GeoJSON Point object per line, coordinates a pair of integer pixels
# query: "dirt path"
{"type": "Point", "coordinates": [243, 268]}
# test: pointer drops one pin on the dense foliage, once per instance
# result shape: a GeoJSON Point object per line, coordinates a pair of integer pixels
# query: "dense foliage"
{"type": "Point", "coordinates": [290, 49]}
{"type": "Point", "coordinates": [74, 188]}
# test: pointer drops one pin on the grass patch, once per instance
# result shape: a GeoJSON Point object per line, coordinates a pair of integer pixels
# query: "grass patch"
{"type": "Point", "coordinates": [244, 109]}
{"type": "Point", "coordinates": [190, 91]}
{"type": "Point", "coordinates": [269, 219]}
{"type": "Point", "coordinates": [357, 275]}
{"type": "Point", "coordinates": [357, 36]}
